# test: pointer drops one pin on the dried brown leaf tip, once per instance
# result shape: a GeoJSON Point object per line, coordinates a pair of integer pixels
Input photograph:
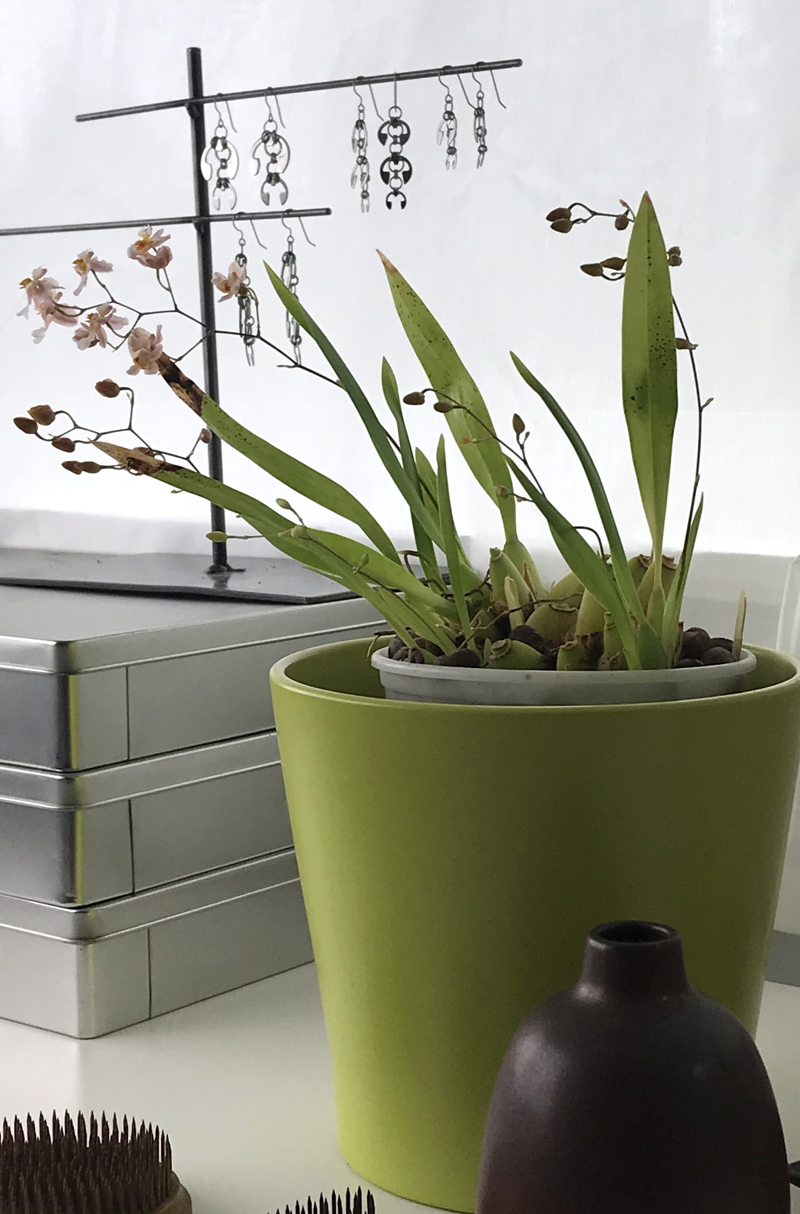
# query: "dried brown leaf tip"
{"type": "Point", "coordinates": [43, 414]}
{"type": "Point", "coordinates": [107, 387]}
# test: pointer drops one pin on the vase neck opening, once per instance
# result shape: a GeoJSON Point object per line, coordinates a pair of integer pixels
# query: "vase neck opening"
{"type": "Point", "coordinates": [634, 959]}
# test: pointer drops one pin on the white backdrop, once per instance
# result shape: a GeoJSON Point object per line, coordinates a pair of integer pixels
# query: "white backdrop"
{"type": "Point", "coordinates": [695, 100]}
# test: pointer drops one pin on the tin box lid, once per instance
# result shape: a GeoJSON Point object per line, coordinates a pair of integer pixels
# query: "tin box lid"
{"type": "Point", "coordinates": [67, 631]}
{"type": "Point", "coordinates": [73, 790]}
{"type": "Point", "coordinates": [135, 911]}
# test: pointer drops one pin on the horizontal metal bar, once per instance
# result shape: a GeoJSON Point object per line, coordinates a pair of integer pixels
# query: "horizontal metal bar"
{"type": "Point", "coordinates": [497, 65]}
{"type": "Point", "coordinates": [308, 213]}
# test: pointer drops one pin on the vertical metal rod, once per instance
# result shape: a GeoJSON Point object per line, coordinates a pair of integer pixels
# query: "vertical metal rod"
{"type": "Point", "coordinates": [205, 269]}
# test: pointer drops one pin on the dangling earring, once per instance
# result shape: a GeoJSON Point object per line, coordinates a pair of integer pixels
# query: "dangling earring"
{"type": "Point", "coordinates": [448, 128]}
{"type": "Point", "coordinates": [479, 114]}
{"type": "Point", "coordinates": [249, 319]}
{"type": "Point", "coordinates": [396, 168]}
{"type": "Point", "coordinates": [220, 158]}
{"type": "Point", "coordinates": [290, 280]}
{"type": "Point", "coordinates": [274, 148]}
{"type": "Point", "coordinates": [358, 141]}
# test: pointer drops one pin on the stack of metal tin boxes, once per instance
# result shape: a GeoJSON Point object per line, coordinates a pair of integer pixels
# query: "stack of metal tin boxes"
{"type": "Point", "coordinates": [146, 859]}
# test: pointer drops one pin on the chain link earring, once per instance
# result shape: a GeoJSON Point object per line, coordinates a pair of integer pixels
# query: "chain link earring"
{"type": "Point", "coordinates": [447, 130]}
{"type": "Point", "coordinates": [479, 114]}
{"type": "Point", "coordinates": [290, 279]}
{"type": "Point", "coordinates": [359, 141]}
{"type": "Point", "coordinates": [221, 161]}
{"type": "Point", "coordinates": [396, 168]}
{"type": "Point", "coordinates": [274, 149]}
{"type": "Point", "coordinates": [249, 319]}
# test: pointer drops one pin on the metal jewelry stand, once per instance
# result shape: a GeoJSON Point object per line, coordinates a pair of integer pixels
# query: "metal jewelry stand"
{"type": "Point", "coordinates": [261, 579]}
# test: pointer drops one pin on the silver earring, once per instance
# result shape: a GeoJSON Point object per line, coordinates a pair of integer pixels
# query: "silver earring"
{"type": "Point", "coordinates": [358, 141]}
{"type": "Point", "coordinates": [221, 161]}
{"type": "Point", "coordinates": [396, 168]}
{"type": "Point", "coordinates": [276, 153]}
{"type": "Point", "coordinates": [447, 129]}
{"type": "Point", "coordinates": [246, 298]}
{"type": "Point", "coordinates": [290, 280]}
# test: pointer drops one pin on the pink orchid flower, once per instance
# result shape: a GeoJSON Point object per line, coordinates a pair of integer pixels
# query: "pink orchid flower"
{"type": "Point", "coordinates": [148, 248]}
{"type": "Point", "coordinates": [39, 289]}
{"type": "Point", "coordinates": [145, 350]}
{"type": "Point", "coordinates": [232, 283]}
{"type": "Point", "coordinates": [52, 311]}
{"type": "Point", "coordinates": [85, 264]}
{"type": "Point", "coordinates": [93, 329]}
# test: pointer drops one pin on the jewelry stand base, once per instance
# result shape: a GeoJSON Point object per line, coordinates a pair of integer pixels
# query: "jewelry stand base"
{"type": "Point", "coordinates": [176, 575]}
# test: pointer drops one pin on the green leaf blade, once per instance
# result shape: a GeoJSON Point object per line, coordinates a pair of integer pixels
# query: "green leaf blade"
{"type": "Point", "coordinates": [649, 366]}
{"type": "Point", "coordinates": [450, 379]}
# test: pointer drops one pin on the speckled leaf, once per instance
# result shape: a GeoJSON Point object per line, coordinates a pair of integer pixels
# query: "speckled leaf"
{"type": "Point", "coordinates": [649, 365]}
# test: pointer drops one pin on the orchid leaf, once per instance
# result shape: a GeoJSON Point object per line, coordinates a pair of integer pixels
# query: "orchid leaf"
{"type": "Point", "coordinates": [649, 366]}
{"type": "Point", "coordinates": [379, 437]}
{"type": "Point", "coordinates": [672, 611]}
{"type": "Point", "coordinates": [296, 475]}
{"type": "Point", "coordinates": [451, 381]}
{"type": "Point", "coordinates": [588, 566]}
{"type": "Point", "coordinates": [422, 541]}
{"type": "Point", "coordinates": [619, 561]}
{"type": "Point", "coordinates": [451, 538]}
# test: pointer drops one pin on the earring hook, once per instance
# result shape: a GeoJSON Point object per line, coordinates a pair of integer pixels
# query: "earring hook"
{"type": "Point", "coordinates": [230, 115]}
{"type": "Point", "coordinates": [374, 102]}
{"type": "Point", "coordinates": [355, 90]}
{"type": "Point", "coordinates": [494, 83]}
{"type": "Point", "coordinates": [258, 239]}
{"type": "Point", "coordinates": [464, 91]}
{"type": "Point", "coordinates": [235, 226]}
{"type": "Point", "coordinates": [277, 107]}
{"type": "Point", "coordinates": [299, 219]}
{"type": "Point", "coordinates": [446, 87]}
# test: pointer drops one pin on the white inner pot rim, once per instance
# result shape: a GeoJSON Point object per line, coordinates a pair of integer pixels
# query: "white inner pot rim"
{"type": "Point", "coordinates": [472, 674]}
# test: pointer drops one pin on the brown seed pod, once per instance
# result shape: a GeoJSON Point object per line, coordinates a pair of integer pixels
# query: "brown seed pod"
{"type": "Point", "coordinates": [556, 214]}
{"type": "Point", "coordinates": [107, 387]}
{"type": "Point", "coordinates": [621, 222]}
{"type": "Point", "coordinates": [42, 414]}
{"type": "Point", "coordinates": [205, 436]}
{"type": "Point", "coordinates": [562, 225]}
{"type": "Point", "coordinates": [63, 443]}
{"type": "Point", "coordinates": [89, 465]}
{"type": "Point", "coordinates": [593, 269]}
{"type": "Point", "coordinates": [26, 424]}
{"type": "Point", "coordinates": [414, 398]}
{"type": "Point", "coordinates": [72, 465]}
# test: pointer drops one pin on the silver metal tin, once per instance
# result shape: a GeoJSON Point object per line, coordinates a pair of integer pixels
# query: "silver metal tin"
{"type": "Point", "coordinates": [89, 971]}
{"type": "Point", "coordinates": [84, 837]}
{"type": "Point", "coordinates": [90, 680]}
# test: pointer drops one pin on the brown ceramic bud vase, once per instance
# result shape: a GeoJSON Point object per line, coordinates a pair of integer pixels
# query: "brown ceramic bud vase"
{"type": "Point", "coordinates": [631, 1093]}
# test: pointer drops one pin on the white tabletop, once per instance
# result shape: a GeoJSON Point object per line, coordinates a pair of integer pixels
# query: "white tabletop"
{"type": "Point", "coordinates": [242, 1084]}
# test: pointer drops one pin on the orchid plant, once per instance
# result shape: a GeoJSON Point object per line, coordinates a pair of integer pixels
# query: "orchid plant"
{"type": "Point", "coordinates": [609, 612]}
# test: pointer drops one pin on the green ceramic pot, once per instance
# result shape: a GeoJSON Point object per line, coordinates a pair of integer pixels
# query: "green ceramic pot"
{"type": "Point", "coordinates": [453, 859]}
